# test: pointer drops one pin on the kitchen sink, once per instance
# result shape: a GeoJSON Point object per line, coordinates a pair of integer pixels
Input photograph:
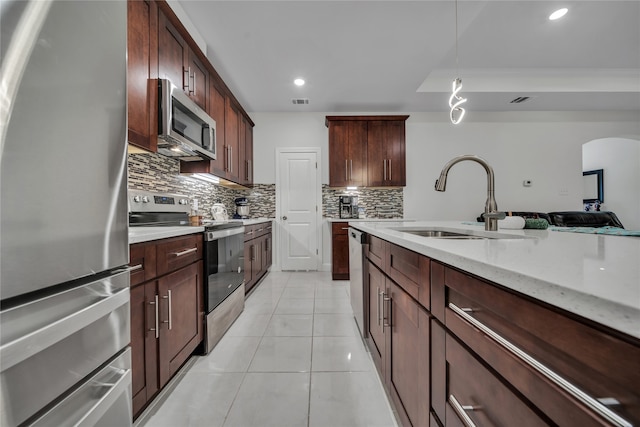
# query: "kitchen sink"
{"type": "Point", "coordinates": [440, 234]}
{"type": "Point", "coordinates": [446, 233]}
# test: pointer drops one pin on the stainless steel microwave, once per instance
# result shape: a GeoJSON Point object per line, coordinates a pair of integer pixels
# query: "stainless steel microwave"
{"type": "Point", "coordinates": [184, 129]}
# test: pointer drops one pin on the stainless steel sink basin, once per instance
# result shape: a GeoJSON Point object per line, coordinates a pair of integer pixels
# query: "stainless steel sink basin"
{"type": "Point", "coordinates": [439, 234]}
{"type": "Point", "coordinates": [446, 233]}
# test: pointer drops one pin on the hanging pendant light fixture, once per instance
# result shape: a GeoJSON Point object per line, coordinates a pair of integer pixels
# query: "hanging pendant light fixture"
{"type": "Point", "coordinates": [457, 112]}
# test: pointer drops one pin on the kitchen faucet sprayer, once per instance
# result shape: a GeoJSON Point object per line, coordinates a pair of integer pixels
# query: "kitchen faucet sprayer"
{"type": "Point", "coordinates": [491, 214]}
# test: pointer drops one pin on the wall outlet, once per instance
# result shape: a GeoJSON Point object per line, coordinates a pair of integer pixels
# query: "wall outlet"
{"type": "Point", "coordinates": [527, 183]}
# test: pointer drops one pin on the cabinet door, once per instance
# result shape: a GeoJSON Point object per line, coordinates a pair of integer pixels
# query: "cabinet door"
{"type": "Point", "coordinates": [347, 153]}
{"type": "Point", "coordinates": [269, 247]}
{"type": "Point", "coordinates": [408, 376]}
{"type": "Point", "coordinates": [217, 112]}
{"type": "Point", "coordinates": [181, 317]}
{"type": "Point", "coordinates": [376, 284]}
{"type": "Point", "coordinates": [231, 140]}
{"type": "Point", "coordinates": [173, 53]}
{"type": "Point", "coordinates": [248, 153]}
{"type": "Point", "coordinates": [339, 251]}
{"type": "Point", "coordinates": [198, 84]}
{"type": "Point", "coordinates": [248, 271]}
{"type": "Point", "coordinates": [386, 153]}
{"type": "Point", "coordinates": [242, 137]}
{"type": "Point", "coordinates": [138, 48]}
{"type": "Point", "coordinates": [144, 344]}
{"type": "Point", "coordinates": [256, 263]}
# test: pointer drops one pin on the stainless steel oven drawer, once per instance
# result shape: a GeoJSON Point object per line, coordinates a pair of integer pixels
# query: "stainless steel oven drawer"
{"type": "Point", "coordinates": [50, 345]}
{"type": "Point", "coordinates": [102, 400]}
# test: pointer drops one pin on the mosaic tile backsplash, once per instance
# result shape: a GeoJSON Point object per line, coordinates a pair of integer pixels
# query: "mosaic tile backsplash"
{"type": "Point", "coordinates": [155, 172]}
{"type": "Point", "coordinates": [377, 202]}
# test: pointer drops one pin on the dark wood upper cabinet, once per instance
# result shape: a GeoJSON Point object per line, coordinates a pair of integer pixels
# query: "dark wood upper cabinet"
{"type": "Point", "coordinates": [367, 151]}
{"type": "Point", "coordinates": [178, 62]}
{"type": "Point", "coordinates": [139, 47]}
{"type": "Point", "coordinates": [245, 151]}
{"type": "Point", "coordinates": [217, 112]}
{"type": "Point", "coordinates": [160, 47]}
{"type": "Point", "coordinates": [347, 153]}
{"type": "Point", "coordinates": [173, 53]}
{"type": "Point", "coordinates": [386, 153]}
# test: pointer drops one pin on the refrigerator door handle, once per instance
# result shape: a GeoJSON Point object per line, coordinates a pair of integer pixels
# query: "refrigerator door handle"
{"type": "Point", "coordinates": [79, 307]}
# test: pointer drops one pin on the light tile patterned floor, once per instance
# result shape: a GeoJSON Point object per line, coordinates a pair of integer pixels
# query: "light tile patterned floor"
{"type": "Point", "coordinates": [293, 358]}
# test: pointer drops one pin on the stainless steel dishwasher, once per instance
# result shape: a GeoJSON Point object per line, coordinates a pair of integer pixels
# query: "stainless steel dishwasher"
{"type": "Point", "coordinates": [356, 277]}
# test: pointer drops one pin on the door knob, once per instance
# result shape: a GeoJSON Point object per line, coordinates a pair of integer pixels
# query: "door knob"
{"type": "Point", "coordinates": [284, 218]}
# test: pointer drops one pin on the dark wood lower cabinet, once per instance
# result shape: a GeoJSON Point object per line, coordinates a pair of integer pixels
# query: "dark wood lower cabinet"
{"type": "Point", "coordinates": [144, 345]}
{"type": "Point", "coordinates": [408, 351]}
{"type": "Point", "coordinates": [473, 391]}
{"type": "Point", "coordinates": [258, 252]}
{"type": "Point", "coordinates": [181, 318]}
{"type": "Point", "coordinates": [167, 314]}
{"type": "Point", "coordinates": [399, 344]}
{"type": "Point", "coordinates": [453, 349]}
{"type": "Point", "coordinates": [340, 251]}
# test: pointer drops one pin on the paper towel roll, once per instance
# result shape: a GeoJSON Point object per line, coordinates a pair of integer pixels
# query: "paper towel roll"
{"type": "Point", "coordinates": [511, 223]}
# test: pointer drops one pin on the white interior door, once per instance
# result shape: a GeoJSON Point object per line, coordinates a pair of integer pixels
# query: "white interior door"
{"type": "Point", "coordinates": [298, 195]}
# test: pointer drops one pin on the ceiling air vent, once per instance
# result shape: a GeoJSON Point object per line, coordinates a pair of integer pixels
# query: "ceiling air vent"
{"type": "Point", "coordinates": [520, 100]}
{"type": "Point", "coordinates": [300, 101]}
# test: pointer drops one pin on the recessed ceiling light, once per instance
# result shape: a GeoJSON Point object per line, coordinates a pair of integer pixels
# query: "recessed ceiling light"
{"type": "Point", "coordinates": [558, 14]}
{"type": "Point", "coordinates": [299, 82]}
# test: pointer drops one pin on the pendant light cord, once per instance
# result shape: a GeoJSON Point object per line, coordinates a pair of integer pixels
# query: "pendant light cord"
{"type": "Point", "coordinates": [456, 26]}
{"type": "Point", "coordinates": [455, 101]}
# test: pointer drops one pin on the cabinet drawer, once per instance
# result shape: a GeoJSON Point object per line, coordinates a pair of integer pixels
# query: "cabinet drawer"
{"type": "Point", "coordinates": [410, 270]}
{"type": "Point", "coordinates": [476, 393]}
{"type": "Point", "coordinates": [262, 229]}
{"type": "Point", "coordinates": [250, 232]}
{"type": "Point", "coordinates": [377, 252]}
{"type": "Point", "coordinates": [142, 260]}
{"type": "Point", "coordinates": [178, 252]}
{"type": "Point", "coordinates": [546, 353]}
{"type": "Point", "coordinates": [339, 228]}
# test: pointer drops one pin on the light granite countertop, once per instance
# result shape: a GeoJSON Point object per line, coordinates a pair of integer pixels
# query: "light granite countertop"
{"type": "Point", "coordinates": [594, 276]}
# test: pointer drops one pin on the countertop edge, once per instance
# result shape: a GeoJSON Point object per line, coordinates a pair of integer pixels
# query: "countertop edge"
{"type": "Point", "coordinates": [608, 313]}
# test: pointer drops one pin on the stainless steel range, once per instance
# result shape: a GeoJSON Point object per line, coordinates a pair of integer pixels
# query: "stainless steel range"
{"type": "Point", "coordinates": [223, 256]}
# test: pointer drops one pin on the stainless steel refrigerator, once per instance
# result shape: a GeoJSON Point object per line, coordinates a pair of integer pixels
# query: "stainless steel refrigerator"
{"type": "Point", "coordinates": [64, 286]}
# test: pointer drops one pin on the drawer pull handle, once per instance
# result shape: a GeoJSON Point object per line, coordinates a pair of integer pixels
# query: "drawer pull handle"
{"type": "Point", "coordinates": [134, 268]}
{"type": "Point", "coordinates": [378, 304]}
{"type": "Point", "coordinates": [185, 252]}
{"type": "Point", "coordinates": [168, 298]}
{"type": "Point", "coordinates": [386, 320]}
{"type": "Point", "coordinates": [574, 391]}
{"type": "Point", "coordinates": [157, 327]}
{"type": "Point", "coordinates": [461, 411]}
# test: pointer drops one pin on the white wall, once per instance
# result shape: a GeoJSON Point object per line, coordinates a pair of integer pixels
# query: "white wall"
{"type": "Point", "coordinates": [620, 160]}
{"type": "Point", "coordinates": [544, 147]}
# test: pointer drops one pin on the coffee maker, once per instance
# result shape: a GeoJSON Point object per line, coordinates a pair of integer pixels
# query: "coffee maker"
{"type": "Point", "coordinates": [242, 208]}
{"type": "Point", "coordinates": [348, 206]}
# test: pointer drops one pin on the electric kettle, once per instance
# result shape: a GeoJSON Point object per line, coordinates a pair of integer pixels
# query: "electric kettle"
{"type": "Point", "coordinates": [219, 212]}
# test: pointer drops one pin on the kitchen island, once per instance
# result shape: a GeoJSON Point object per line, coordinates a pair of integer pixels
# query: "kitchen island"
{"type": "Point", "coordinates": [532, 325]}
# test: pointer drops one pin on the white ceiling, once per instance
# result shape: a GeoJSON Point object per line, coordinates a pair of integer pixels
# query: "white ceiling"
{"type": "Point", "coordinates": [400, 56]}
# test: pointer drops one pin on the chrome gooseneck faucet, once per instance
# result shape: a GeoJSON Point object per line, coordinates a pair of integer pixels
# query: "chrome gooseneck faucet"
{"type": "Point", "coordinates": [491, 214]}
